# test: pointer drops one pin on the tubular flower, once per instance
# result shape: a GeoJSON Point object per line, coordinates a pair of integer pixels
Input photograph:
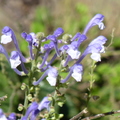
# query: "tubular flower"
{"type": "Point", "coordinates": [54, 40]}
{"type": "Point", "coordinates": [15, 61]}
{"type": "Point", "coordinates": [2, 116]}
{"type": "Point", "coordinates": [51, 74]}
{"type": "Point", "coordinates": [31, 39]}
{"type": "Point", "coordinates": [30, 110]}
{"type": "Point", "coordinates": [76, 72]}
{"type": "Point", "coordinates": [55, 43]}
{"type": "Point", "coordinates": [12, 116]}
{"type": "Point", "coordinates": [3, 51]}
{"type": "Point", "coordinates": [96, 20]}
{"type": "Point", "coordinates": [95, 48]}
{"type": "Point", "coordinates": [73, 52]}
{"type": "Point", "coordinates": [44, 104]}
{"type": "Point", "coordinates": [8, 36]}
{"type": "Point", "coordinates": [77, 35]}
{"type": "Point", "coordinates": [58, 32]}
{"type": "Point", "coordinates": [35, 108]}
{"type": "Point", "coordinates": [47, 49]}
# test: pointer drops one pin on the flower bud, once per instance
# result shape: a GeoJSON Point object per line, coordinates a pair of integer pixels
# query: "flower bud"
{"type": "Point", "coordinates": [23, 86]}
{"type": "Point", "coordinates": [40, 35]}
{"type": "Point", "coordinates": [37, 89]}
{"type": "Point", "coordinates": [66, 38]}
{"type": "Point", "coordinates": [52, 110]}
{"type": "Point", "coordinates": [31, 89]}
{"type": "Point", "coordinates": [20, 107]}
{"type": "Point", "coordinates": [29, 97]}
{"type": "Point", "coordinates": [61, 115]}
{"type": "Point", "coordinates": [50, 98]}
{"type": "Point", "coordinates": [60, 103]}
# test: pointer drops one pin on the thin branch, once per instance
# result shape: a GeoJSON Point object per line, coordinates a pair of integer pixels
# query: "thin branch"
{"type": "Point", "coordinates": [79, 114]}
{"type": "Point", "coordinates": [101, 115]}
{"type": "Point", "coordinates": [112, 37]}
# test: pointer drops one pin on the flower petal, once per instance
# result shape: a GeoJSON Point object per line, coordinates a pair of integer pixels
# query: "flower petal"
{"type": "Point", "coordinates": [96, 56]}
{"type": "Point", "coordinates": [5, 39]}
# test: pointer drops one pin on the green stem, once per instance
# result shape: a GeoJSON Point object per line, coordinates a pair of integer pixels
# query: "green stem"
{"type": "Point", "coordinates": [91, 81]}
{"type": "Point", "coordinates": [30, 79]}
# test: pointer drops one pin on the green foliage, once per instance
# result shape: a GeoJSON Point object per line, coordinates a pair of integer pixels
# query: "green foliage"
{"type": "Point", "coordinates": [116, 42]}
{"type": "Point", "coordinates": [42, 21]}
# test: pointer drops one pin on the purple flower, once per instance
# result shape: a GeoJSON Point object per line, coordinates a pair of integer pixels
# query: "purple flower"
{"type": "Point", "coordinates": [47, 49]}
{"type": "Point", "coordinates": [51, 74]}
{"type": "Point", "coordinates": [8, 36]}
{"type": "Point", "coordinates": [44, 104]}
{"type": "Point", "coordinates": [76, 72]}
{"type": "Point", "coordinates": [58, 32]}
{"type": "Point", "coordinates": [96, 20]}
{"type": "Point", "coordinates": [95, 48]}
{"type": "Point", "coordinates": [12, 116]}
{"type": "Point", "coordinates": [15, 61]}
{"type": "Point", "coordinates": [2, 116]}
{"type": "Point", "coordinates": [100, 40]}
{"type": "Point", "coordinates": [54, 40]}
{"type": "Point", "coordinates": [73, 51]}
{"type": "Point", "coordinates": [3, 51]}
{"type": "Point", "coordinates": [34, 109]}
{"type": "Point", "coordinates": [31, 39]}
{"type": "Point", "coordinates": [30, 110]}
{"type": "Point", "coordinates": [76, 36]}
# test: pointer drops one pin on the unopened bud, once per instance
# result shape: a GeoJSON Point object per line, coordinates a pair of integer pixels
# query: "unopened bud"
{"type": "Point", "coordinates": [52, 110]}
{"type": "Point", "coordinates": [66, 38]}
{"type": "Point", "coordinates": [37, 89]}
{"type": "Point", "coordinates": [29, 97]}
{"type": "Point", "coordinates": [40, 35]}
{"type": "Point", "coordinates": [60, 104]}
{"type": "Point", "coordinates": [50, 98]}
{"type": "Point", "coordinates": [31, 89]}
{"type": "Point", "coordinates": [42, 49]}
{"type": "Point", "coordinates": [20, 107]}
{"type": "Point", "coordinates": [61, 115]}
{"type": "Point", "coordinates": [22, 73]}
{"type": "Point", "coordinates": [62, 62]}
{"type": "Point", "coordinates": [23, 86]}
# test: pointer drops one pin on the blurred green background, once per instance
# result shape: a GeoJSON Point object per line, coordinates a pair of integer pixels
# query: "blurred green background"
{"type": "Point", "coordinates": [72, 15]}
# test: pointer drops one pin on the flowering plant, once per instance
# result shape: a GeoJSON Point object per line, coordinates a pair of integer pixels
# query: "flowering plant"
{"type": "Point", "coordinates": [66, 50]}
